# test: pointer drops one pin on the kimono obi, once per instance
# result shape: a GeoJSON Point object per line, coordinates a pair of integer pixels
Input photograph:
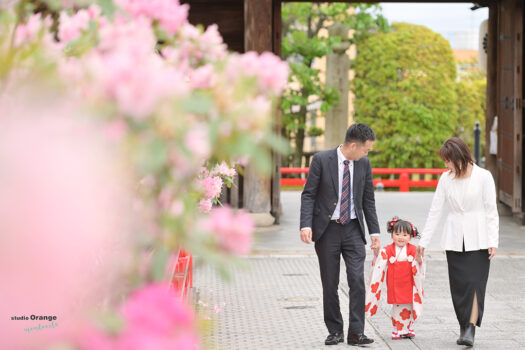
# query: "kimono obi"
{"type": "Point", "coordinates": [400, 277]}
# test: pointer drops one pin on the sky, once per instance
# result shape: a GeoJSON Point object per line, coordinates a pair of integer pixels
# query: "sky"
{"type": "Point", "coordinates": [456, 22]}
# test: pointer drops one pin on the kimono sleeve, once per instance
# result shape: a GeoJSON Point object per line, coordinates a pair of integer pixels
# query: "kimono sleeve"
{"type": "Point", "coordinates": [377, 276]}
{"type": "Point", "coordinates": [419, 271]}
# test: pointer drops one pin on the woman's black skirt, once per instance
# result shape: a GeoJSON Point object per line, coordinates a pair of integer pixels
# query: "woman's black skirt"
{"type": "Point", "coordinates": [468, 273]}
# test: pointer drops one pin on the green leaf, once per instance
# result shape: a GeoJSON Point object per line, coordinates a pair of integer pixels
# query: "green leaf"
{"type": "Point", "coordinates": [108, 8]}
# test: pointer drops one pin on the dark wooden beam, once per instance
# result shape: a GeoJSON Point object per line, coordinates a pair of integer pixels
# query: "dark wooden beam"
{"type": "Point", "coordinates": [258, 25]}
{"type": "Point", "coordinates": [227, 14]}
{"type": "Point", "coordinates": [492, 87]}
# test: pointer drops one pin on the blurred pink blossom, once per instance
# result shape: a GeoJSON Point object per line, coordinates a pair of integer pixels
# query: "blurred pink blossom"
{"type": "Point", "coordinates": [71, 27]}
{"type": "Point", "coordinates": [203, 77]}
{"type": "Point", "coordinates": [177, 208]}
{"type": "Point", "coordinates": [224, 170]}
{"type": "Point", "coordinates": [205, 205]}
{"type": "Point", "coordinates": [233, 231]}
{"type": "Point", "coordinates": [165, 197]}
{"type": "Point", "coordinates": [115, 130]}
{"type": "Point", "coordinates": [29, 30]}
{"type": "Point", "coordinates": [270, 71]}
{"type": "Point", "coordinates": [125, 68]}
{"type": "Point", "coordinates": [155, 318]}
{"type": "Point", "coordinates": [211, 186]}
{"type": "Point", "coordinates": [197, 141]}
{"type": "Point", "coordinates": [64, 212]}
{"type": "Point", "coordinates": [169, 13]}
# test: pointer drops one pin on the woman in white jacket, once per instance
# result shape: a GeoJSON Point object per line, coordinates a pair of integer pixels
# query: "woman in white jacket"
{"type": "Point", "coordinates": [471, 233]}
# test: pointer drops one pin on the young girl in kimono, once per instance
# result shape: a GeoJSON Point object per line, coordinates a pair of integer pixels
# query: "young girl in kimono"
{"type": "Point", "coordinates": [404, 279]}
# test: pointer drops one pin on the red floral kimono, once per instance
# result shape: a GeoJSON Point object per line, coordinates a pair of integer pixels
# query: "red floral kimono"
{"type": "Point", "coordinates": [404, 287]}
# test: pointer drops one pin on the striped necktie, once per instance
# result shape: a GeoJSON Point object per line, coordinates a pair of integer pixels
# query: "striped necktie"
{"type": "Point", "coordinates": [344, 215]}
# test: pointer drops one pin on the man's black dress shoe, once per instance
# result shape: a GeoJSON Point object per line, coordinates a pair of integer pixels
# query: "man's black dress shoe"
{"type": "Point", "coordinates": [468, 336]}
{"type": "Point", "coordinates": [359, 339]}
{"type": "Point", "coordinates": [334, 339]}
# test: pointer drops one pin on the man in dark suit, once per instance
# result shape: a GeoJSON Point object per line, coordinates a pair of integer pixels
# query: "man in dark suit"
{"type": "Point", "coordinates": [337, 197]}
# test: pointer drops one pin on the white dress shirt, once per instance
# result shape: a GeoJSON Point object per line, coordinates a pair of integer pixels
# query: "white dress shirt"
{"type": "Point", "coordinates": [340, 164]}
{"type": "Point", "coordinates": [473, 215]}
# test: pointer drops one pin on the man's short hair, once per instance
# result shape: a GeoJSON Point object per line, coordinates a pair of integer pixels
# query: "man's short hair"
{"type": "Point", "coordinates": [359, 132]}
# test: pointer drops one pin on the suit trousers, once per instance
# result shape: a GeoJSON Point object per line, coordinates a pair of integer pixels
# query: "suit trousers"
{"type": "Point", "coordinates": [345, 240]}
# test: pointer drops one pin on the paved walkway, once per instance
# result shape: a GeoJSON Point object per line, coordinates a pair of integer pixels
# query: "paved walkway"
{"type": "Point", "coordinates": [274, 297]}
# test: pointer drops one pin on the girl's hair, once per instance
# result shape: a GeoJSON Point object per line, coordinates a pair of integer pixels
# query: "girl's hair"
{"type": "Point", "coordinates": [397, 225]}
{"type": "Point", "coordinates": [456, 151]}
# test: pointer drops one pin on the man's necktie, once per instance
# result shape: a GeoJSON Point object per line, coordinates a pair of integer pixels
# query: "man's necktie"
{"type": "Point", "coordinates": [344, 215]}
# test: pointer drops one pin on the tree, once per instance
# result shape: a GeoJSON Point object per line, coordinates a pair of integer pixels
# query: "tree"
{"type": "Point", "coordinates": [471, 103]}
{"type": "Point", "coordinates": [405, 89]}
{"type": "Point", "coordinates": [302, 45]}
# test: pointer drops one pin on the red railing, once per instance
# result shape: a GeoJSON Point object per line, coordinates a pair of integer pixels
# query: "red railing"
{"type": "Point", "coordinates": [181, 273]}
{"type": "Point", "coordinates": [403, 182]}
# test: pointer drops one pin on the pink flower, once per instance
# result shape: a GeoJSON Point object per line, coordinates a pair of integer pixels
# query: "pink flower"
{"type": "Point", "coordinates": [155, 309]}
{"type": "Point", "coordinates": [71, 27]}
{"type": "Point", "coordinates": [270, 71]}
{"type": "Point", "coordinates": [203, 77]}
{"type": "Point", "coordinates": [177, 208]}
{"type": "Point", "coordinates": [155, 319]}
{"type": "Point", "coordinates": [205, 205]}
{"type": "Point", "coordinates": [232, 231]}
{"type": "Point", "coordinates": [211, 186]}
{"type": "Point", "coordinates": [63, 184]}
{"type": "Point", "coordinates": [29, 30]}
{"type": "Point", "coordinates": [212, 44]}
{"type": "Point", "coordinates": [169, 13]}
{"type": "Point", "coordinates": [115, 130]}
{"type": "Point", "coordinates": [273, 72]}
{"type": "Point", "coordinates": [224, 170]}
{"type": "Point", "coordinates": [165, 197]}
{"type": "Point", "coordinates": [197, 141]}
{"type": "Point", "coordinates": [125, 68]}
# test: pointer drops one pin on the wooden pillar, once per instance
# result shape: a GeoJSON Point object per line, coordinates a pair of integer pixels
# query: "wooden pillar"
{"type": "Point", "coordinates": [258, 24]}
{"type": "Point", "coordinates": [492, 83]}
{"type": "Point", "coordinates": [276, 176]}
{"type": "Point", "coordinates": [518, 114]}
{"type": "Point", "coordinates": [337, 67]}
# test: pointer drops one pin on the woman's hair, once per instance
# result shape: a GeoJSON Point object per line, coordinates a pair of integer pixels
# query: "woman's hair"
{"type": "Point", "coordinates": [398, 225]}
{"type": "Point", "coordinates": [456, 151]}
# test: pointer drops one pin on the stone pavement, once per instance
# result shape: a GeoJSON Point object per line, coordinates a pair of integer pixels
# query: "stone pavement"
{"type": "Point", "coordinates": [274, 298]}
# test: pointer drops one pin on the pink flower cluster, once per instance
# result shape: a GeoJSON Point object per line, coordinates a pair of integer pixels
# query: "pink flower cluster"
{"type": "Point", "coordinates": [71, 27]}
{"type": "Point", "coordinates": [194, 53]}
{"type": "Point", "coordinates": [211, 182]}
{"type": "Point", "coordinates": [155, 319]}
{"type": "Point", "coordinates": [233, 231]}
{"type": "Point", "coordinates": [211, 187]}
{"type": "Point", "coordinates": [271, 72]}
{"type": "Point", "coordinates": [223, 169]}
{"type": "Point", "coordinates": [125, 68]}
{"type": "Point", "coordinates": [29, 30]}
{"type": "Point", "coordinates": [169, 13]}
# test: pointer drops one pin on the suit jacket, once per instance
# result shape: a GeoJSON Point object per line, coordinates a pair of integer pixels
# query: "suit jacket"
{"type": "Point", "coordinates": [321, 193]}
